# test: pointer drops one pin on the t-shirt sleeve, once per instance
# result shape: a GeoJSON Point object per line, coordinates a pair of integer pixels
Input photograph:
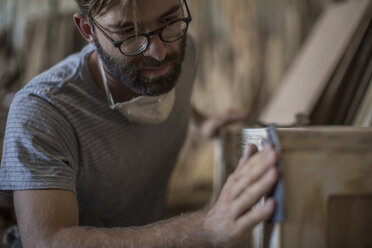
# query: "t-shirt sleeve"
{"type": "Point", "coordinates": [40, 148]}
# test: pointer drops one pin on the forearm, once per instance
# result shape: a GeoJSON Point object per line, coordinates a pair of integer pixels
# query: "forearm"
{"type": "Point", "coordinates": [49, 218]}
{"type": "Point", "coordinates": [183, 231]}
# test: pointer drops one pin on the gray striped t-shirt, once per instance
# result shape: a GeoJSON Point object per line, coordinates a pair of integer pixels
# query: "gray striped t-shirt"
{"type": "Point", "coordinates": [61, 134]}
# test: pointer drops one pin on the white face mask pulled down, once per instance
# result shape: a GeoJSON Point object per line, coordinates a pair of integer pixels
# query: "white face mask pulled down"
{"type": "Point", "coordinates": [142, 109]}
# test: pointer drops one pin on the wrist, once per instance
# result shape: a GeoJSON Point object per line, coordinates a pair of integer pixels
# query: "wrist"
{"type": "Point", "coordinates": [197, 233]}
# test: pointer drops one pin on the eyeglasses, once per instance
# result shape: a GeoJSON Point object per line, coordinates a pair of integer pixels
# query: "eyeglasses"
{"type": "Point", "coordinates": [137, 44]}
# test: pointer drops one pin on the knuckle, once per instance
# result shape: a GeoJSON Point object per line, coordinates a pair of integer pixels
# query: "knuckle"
{"type": "Point", "coordinates": [233, 178]}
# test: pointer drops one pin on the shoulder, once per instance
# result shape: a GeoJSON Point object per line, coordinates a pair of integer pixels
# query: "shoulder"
{"type": "Point", "coordinates": [68, 71]}
{"type": "Point", "coordinates": [37, 104]}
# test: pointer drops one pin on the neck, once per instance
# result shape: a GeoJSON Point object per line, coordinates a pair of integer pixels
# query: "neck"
{"type": "Point", "coordinates": [119, 91]}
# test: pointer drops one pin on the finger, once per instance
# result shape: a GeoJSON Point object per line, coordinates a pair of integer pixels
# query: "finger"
{"type": "Point", "coordinates": [249, 173]}
{"type": "Point", "coordinates": [257, 163]}
{"type": "Point", "coordinates": [249, 156]}
{"type": "Point", "coordinates": [250, 151]}
{"type": "Point", "coordinates": [261, 213]}
{"type": "Point", "coordinates": [251, 195]}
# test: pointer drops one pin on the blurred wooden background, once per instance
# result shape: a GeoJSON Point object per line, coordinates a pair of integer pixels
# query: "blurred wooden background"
{"type": "Point", "coordinates": [245, 46]}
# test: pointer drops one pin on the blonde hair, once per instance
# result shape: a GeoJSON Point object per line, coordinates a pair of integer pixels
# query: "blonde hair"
{"type": "Point", "coordinates": [95, 7]}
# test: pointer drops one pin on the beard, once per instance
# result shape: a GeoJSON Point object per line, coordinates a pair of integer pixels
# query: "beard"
{"type": "Point", "coordinates": [130, 72]}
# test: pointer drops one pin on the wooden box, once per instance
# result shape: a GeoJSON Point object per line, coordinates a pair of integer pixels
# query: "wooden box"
{"type": "Point", "coordinates": [327, 173]}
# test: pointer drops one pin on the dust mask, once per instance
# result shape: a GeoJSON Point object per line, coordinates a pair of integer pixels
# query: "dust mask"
{"type": "Point", "coordinates": [142, 109]}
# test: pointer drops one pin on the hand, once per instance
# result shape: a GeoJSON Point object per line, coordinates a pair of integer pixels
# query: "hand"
{"type": "Point", "coordinates": [209, 127]}
{"type": "Point", "coordinates": [232, 218]}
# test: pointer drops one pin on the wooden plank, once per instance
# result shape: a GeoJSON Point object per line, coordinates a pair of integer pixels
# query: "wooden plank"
{"type": "Point", "coordinates": [350, 219]}
{"type": "Point", "coordinates": [361, 91]}
{"type": "Point", "coordinates": [319, 165]}
{"type": "Point", "coordinates": [364, 115]}
{"type": "Point", "coordinates": [307, 78]}
{"type": "Point", "coordinates": [336, 103]}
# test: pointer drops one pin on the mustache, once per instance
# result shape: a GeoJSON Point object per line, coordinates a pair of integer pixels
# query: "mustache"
{"type": "Point", "coordinates": [151, 62]}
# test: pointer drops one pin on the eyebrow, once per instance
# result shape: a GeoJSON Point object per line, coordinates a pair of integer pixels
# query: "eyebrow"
{"type": "Point", "coordinates": [121, 24]}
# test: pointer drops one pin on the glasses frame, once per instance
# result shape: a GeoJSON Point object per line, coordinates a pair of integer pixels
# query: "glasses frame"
{"type": "Point", "coordinates": [148, 35]}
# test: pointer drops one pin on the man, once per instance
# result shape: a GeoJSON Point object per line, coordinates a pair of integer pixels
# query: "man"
{"type": "Point", "coordinates": [86, 175]}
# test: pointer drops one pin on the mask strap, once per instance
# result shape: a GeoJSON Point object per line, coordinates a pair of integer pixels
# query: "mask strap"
{"type": "Point", "coordinates": [104, 81]}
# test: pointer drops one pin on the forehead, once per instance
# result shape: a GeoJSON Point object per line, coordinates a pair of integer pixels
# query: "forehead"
{"type": "Point", "coordinates": [147, 11]}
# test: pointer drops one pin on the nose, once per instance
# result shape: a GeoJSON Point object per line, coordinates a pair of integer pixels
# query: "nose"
{"type": "Point", "coordinates": [156, 48]}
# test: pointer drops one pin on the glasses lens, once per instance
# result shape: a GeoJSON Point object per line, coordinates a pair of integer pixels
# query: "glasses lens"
{"type": "Point", "coordinates": [174, 31]}
{"type": "Point", "coordinates": [134, 45]}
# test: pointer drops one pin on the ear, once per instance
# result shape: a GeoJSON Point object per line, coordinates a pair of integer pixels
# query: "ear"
{"type": "Point", "coordinates": [82, 23]}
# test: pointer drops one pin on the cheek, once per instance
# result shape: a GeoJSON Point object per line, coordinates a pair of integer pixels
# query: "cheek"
{"type": "Point", "coordinates": [109, 49]}
{"type": "Point", "coordinates": [175, 46]}
{"type": "Point", "coordinates": [105, 43]}
{"type": "Point", "coordinates": [129, 60]}
{"type": "Point", "coordinates": [115, 54]}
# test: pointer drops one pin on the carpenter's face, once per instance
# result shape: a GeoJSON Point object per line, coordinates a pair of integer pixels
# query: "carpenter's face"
{"type": "Point", "coordinates": [155, 70]}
